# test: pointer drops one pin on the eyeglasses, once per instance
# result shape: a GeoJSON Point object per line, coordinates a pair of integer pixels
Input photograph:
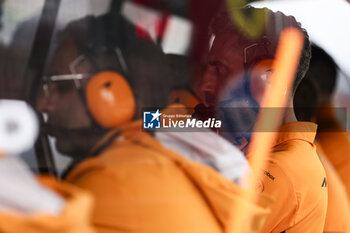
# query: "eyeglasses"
{"type": "Point", "coordinates": [257, 51]}
{"type": "Point", "coordinates": [62, 81]}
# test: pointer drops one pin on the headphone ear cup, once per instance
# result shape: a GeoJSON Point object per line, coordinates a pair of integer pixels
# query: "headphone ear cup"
{"type": "Point", "coordinates": [110, 99]}
{"type": "Point", "coordinates": [259, 78]}
{"type": "Point", "coordinates": [184, 97]}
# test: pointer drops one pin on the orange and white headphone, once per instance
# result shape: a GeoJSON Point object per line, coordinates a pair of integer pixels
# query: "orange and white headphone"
{"type": "Point", "coordinates": [110, 99]}
{"type": "Point", "coordinates": [108, 95]}
{"type": "Point", "coordinates": [257, 66]}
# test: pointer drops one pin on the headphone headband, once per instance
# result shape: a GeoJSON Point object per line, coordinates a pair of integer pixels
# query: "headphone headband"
{"type": "Point", "coordinates": [108, 94]}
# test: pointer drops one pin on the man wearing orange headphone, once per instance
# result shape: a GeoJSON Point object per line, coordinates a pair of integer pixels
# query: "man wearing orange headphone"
{"type": "Point", "coordinates": [237, 71]}
{"type": "Point", "coordinates": [100, 77]}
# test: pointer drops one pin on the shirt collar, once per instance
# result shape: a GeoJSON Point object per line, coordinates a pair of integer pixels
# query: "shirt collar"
{"type": "Point", "coordinates": [125, 131]}
{"type": "Point", "coordinates": [297, 130]}
{"type": "Point", "coordinates": [134, 127]}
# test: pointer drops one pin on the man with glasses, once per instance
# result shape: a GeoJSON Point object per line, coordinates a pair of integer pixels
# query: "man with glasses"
{"type": "Point", "coordinates": [138, 185]}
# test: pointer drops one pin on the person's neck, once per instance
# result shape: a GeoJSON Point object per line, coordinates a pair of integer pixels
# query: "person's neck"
{"type": "Point", "coordinates": [289, 115]}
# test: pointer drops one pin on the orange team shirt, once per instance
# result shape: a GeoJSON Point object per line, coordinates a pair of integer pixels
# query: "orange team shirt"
{"type": "Point", "coordinates": [295, 178]}
{"type": "Point", "coordinates": [338, 211]}
{"type": "Point", "coordinates": [139, 186]}
{"type": "Point", "coordinates": [335, 144]}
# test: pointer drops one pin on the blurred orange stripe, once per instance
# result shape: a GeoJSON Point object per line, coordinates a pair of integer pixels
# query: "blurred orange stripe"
{"type": "Point", "coordinates": [276, 95]}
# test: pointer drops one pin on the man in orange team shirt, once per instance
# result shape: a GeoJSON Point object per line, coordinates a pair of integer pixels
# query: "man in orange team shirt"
{"type": "Point", "coordinates": [100, 78]}
{"type": "Point", "coordinates": [238, 67]}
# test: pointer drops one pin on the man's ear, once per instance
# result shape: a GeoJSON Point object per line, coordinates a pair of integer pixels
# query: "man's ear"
{"type": "Point", "coordinates": [260, 75]}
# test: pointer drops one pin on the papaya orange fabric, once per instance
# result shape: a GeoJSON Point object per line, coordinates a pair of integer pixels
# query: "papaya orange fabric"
{"type": "Point", "coordinates": [295, 178]}
{"type": "Point", "coordinates": [140, 186]}
{"type": "Point", "coordinates": [338, 211]}
{"type": "Point", "coordinates": [335, 144]}
{"type": "Point", "coordinates": [75, 218]}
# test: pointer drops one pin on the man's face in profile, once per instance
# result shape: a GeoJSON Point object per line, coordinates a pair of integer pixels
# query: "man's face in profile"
{"type": "Point", "coordinates": [67, 116]}
{"type": "Point", "coordinates": [224, 64]}
{"type": "Point", "coordinates": [226, 86]}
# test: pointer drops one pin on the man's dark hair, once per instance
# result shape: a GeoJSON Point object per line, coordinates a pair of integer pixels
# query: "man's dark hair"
{"type": "Point", "coordinates": [318, 84]}
{"type": "Point", "coordinates": [322, 71]}
{"type": "Point", "coordinates": [304, 61]}
{"type": "Point", "coordinates": [224, 22]}
{"type": "Point", "coordinates": [305, 100]}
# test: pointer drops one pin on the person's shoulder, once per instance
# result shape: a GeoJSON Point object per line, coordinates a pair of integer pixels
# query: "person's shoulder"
{"type": "Point", "coordinates": [275, 176]}
{"type": "Point", "coordinates": [299, 160]}
{"type": "Point", "coordinates": [298, 164]}
{"type": "Point", "coordinates": [124, 162]}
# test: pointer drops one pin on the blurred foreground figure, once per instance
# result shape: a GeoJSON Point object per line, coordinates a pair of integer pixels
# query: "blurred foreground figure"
{"type": "Point", "coordinates": [238, 67]}
{"type": "Point", "coordinates": [99, 79]}
{"type": "Point", "coordinates": [24, 207]}
{"type": "Point", "coordinates": [28, 204]}
{"type": "Point", "coordinates": [313, 102]}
